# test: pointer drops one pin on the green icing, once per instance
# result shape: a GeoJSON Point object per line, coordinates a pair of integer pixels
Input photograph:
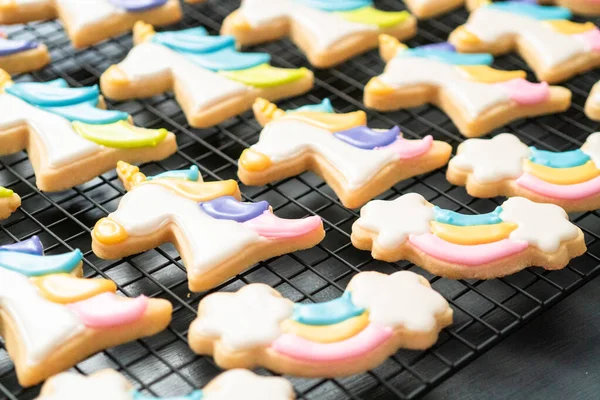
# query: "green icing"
{"type": "Point", "coordinates": [120, 135]}
{"type": "Point", "coordinates": [4, 192]}
{"type": "Point", "coordinates": [372, 16]}
{"type": "Point", "coordinates": [266, 76]}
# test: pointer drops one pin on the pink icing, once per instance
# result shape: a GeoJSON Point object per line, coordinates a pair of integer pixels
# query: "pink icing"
{"type": "Point", "coordinates": [410, 148]}
{"type": "Point", "coordinates": [107, 310]}
{"type": "Point", "coordinates": [525, 92]}
{"type": "Point", "coordinates": [301, 349]}
{"type": "Point", "coordinates": [272, 227]}
{"type": "Point", "coordinates": [567, 192]}
{"type": "Point", "coordinates": [472, 256]}
{"type": "Point", "coordinates": [592, 38]}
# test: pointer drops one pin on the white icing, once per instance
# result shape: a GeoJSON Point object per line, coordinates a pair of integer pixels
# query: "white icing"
{"type": "Point", "coordinates": [591, 147]}
{"type": "Point", "coordinates": [473, 97]}
{"type": "Point", "coordinates": [544, 226]}
{"type": "Point", "coordinates": [62, 144]}
{"type": "Point", "coordinates": [105, 385]}
{"type": "Point", "coordinates": [80, 14]}
{"type": "Point", "coordinates": [325, 28]}
{"type": "Point", "coordinates": [285, 139]}
{"type": "Point", "coordinates": [551, 47]}
{"type": "Point", "coordinates": [200, 86]}
{"type": "Point", "coordinates": [398, 300]}
{"type": "Point", "coordinates": [249, 318]}
{"type": "Point", "coordinates": [149, 208]}
{"type": "Point", "coordinates": [42, 326]}
{"type": "Point", "coordinates": [393, 221]}
{"type": "Point", "coordinates": [241, 384]}
{"type": "Point", "coordinates": [492, 160]}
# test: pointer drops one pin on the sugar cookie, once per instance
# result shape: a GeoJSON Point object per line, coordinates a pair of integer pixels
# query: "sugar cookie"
{"type": "Point", "coordinates": [504, 166]}
{"type": "Point", "coordinates": [477, 97]}
{"type": "Point", "coordinates": [69, 137]}
{"type": "Point", "coordinates": [592, 105]}
{"type": "Point", "coordinates": [329, 33]}
{"type": "Point", "coordinates": [377, 315]}
{"type": "Point", "coordinates": [108, 384]}
{"type": "Point", "coordinates": [211, 80]}
{"type": "Point", "coordinates": [217, 235]}
{"type": "Point", "coordinates": [51, 319]}
{"type": "Point", "coordinates": [356, 161]}
{"type": "Point", "coordinates": [19, 56]}
{"type": "Point", "coordinates": [9, 202]}
{"type": "Point", "coordinates": [555, 48]}
{"type": "Point", "coordinates": [432, 8]}
{"type": "Point", "coordinates": [516, 235]}
{"type": "Point", "coordinates": [584, 7]}
{"type": "Point", "coordinates": [91, 21]}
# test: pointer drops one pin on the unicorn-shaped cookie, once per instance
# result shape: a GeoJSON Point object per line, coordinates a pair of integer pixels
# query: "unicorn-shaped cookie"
{"type": "Point", "coordinates": [356, 161]}
{"type": "Point", "coordinates": [555, 48]}
{"type": "Point", "coordinates": [51, 319]}
{"type": "Point", "coordinates": [19, 56]}
{"type": "Point", "coordinates": [377, 315]}
{"type": "Point", "coordinates": [516, 235]}
{"type": "Point", "coordinates": [212, 81]}
{"type": "Point", "coordinates": [217, 235]}
{"type": "Point", "coordinates": [69, 137]}
{"type": "Point", "coordinates": [477, 97]}
{"type": "Point", "coordinates": [328, 32]}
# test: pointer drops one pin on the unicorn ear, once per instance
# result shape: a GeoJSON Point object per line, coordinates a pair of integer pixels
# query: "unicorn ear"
{"type": "Point", "coordinates": [142, 32]}
{"type": "Point", "coordinates": [389, 46]}
{"type": "Point", "coordinates": [130, 175]}
{"type": "Point", "coordinates": [265, 111]}
{"type": "Point", "coordinates": [4, 80]}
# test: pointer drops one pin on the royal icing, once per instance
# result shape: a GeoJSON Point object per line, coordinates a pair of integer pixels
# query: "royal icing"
{"type": "Point", "coordinates": [31, 246]}
{"type": "Point", "coordinates": [21, 261]}
{"type": "Point", "coordinates": [108, 310]}
{"type": "Point", "coordinates": [9, 47]}
{"type": "Point", "coordinates": [104, 385]}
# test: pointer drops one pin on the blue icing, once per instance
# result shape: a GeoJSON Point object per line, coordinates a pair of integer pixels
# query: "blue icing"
{"type": "Point", "coordinates": [58, 83]}
{"type": "Point", "coordinates": [448, 57]}
{"type": "Point", "coordinates": [454, 218]}
{"type": "Point", "coordinates": [329, 313]}
{"type": "Point", "coordinates": [35, 265]}
{"type": "Point", "coordinates": [195, 395]}
{"type": "Point", "coordinates": [566, 159]}
{"type": "Point", "coordinates": [336, 5]}
{"type": "Point", "coordinates": [191, 174]}
{"type": "Point", "coordinates": [324, 107]}
{"type": "Point", "coordinates": [543, 13]}
{"type": "Point", "coordinates": [227, 207]}
{"type": "Point", "coordinates": [193, 40]}
{"type": "Point", "coordinates": [31, 246]}
{"type": "Point", "coordinates": [364, 137]}
{"type": "Point", "coordinates": [52, 94]}
{"type": "Point", "coordinates": [88, 113]}
{"type": "Point", "coordinates": [227, 59]}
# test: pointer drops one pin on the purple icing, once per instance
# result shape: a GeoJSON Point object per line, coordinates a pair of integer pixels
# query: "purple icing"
{"type": "Point", "coordinates": [364, 137]}
{"type": "Point", "coordinates": [138, 5]}
{"type": "Point", "coordinates": [443, 46]}
{"type": "Point", "coordinates": [8, 47]}
{"type": "Point", "coordinates": [228, 207]}
{"type": "Point", "coordinates": [31, 246]}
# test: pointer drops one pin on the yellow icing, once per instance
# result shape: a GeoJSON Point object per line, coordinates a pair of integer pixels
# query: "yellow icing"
{"type": "Point", "coordinates": [472, 235]}
{"type": "Point", "coordinates": [116, 76]}
{"type": "Point", "coordinates": [109, 232]}
{"type": "Point", "coordinates": [4, 192]}
{"type": "Point", "coordinates": [377, 87]}
{"type": "Point", "coordinates": [569, 27]}
{"type": "Point", "coordinates": [254, 161]}
{"type": "Point", "coordinates": [389, 46]}
{"type": "Point", "coordinates": [266, 76]}
{"type": "Point", "coordinates": [120, 135]}
{"type": "Point", "coordinates": [373, 16]}
{"type": "Point", "coordinates": [486, 74]}
{"type": "Point", "coordinates": [142, 32]}
{"type": "Point", "coordinates": [129, 174]}
{"type": "Point", "coordinates": [466, 37]}
{"type": "Point", "coordinates": [327, 333]}
{"type": "Point", "coordinates": [265, 111]}
{"type": "Point", "coordinates": [199, 191]}
{"type": "Point", "coordinates": [330, 122]}
{"type": "Point", "coordinates": [562, 176]}
{"type": "Point", "coordinates": [65, 288]}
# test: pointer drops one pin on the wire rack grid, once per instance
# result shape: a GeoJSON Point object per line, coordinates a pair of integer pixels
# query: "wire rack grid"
{"type": "Point", "coordinates": [163, 365]}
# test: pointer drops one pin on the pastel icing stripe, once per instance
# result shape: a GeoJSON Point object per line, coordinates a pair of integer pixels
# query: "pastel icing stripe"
{"type": "Point", "coordinates": [458, 219]}
{"type": "Point", "coordinates": [228, 207]}
{"type": "Point", "coordinates": [195, 395]}
{"type": "Point", "coordinates": [576, 191]}
{"type": "Point", "coordinates": [266, 76]}
{"type": "Point", "coordinates": [327, 313]}
{"type": "Point", "coordinates": [4, 192]}
{"type": "Point", "coordinates": [227, 59]}
{"type": "Point", "coordinates": [447, 56]}
{"type": "Point", "coordinates": [192, 174]}
{"type": "Point", "coordinates": [35, 265]}
{"type": "Point", "coordinates": [527, 93]}
{"type": "Point", "coordinates": [324, 106]}
{"type": "Point", "coordinates": [193, 40]}
{"type": "Point", "coordinates": [563, 176]}
{"type": "Point", "coordinates": [364, 137]}
{"type": "Point", "coordinates": [566, 159]}
{"type": "Point", "coordinates": [138, 5]}
{"type": "Point", "coordinates": [372, 16]}
{"type": "Point", "coordinates": [107, 310]}
{"type": "Point", "coordinates": [472, 235]}
{"type": "Point", "coordinates": [336, 5]}
{"type": "Point", "coordinates": [120, 135]}
{"type": "Point", "coordinates": [31, 246]}
{"type": "Point", "coordinates": [52, 94]}
{"type": "Point", "coordinates": [88, 113]}
{"type": "Point", "coordinates": [270, 226]}
{"type": "Point", "coordinates": [406, 149]}
{"type": "Point", "coordinates": [328, 333]}
{"type": "Point", "coordinates": [9, 47]}
{"type": "Point", "coordinates": [543, 13]}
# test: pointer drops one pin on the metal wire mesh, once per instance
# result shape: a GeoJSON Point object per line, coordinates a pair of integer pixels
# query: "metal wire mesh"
{"type": "Point", "coordinates": [163, 365]}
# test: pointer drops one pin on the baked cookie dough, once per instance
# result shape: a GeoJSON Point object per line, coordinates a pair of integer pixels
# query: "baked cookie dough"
{"type": "Point", "coordinates": [19, 56]}
{"type": "Point", "coordinates": [592, 105]}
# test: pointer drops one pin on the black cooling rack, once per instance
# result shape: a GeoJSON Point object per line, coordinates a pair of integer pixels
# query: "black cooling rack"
{"type": "Point", "coordinates": [485, 311]}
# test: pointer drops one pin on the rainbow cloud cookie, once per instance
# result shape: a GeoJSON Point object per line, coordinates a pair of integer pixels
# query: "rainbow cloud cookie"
{"type": "Point", "coordinates": [555, 48]}
{"type": "Point", "coordinates": [108, 384]}
{"type": "Point", "coordinates": [19, 56]}
{"type": "Point", "coordinates": [51, 319]}
{"type": "Point", "coordinates": [377, 315]}
{"type": "Point", "coordinates": [328, 32]}
{"type": "Point", "coordinates": [477, 97]}
{"type": "Point", "coordinates": [91, 21]}
{"type": "Point", "coordinates": [504, 166]}
{"type": "Point", "coordinates": [217, 235]}
{"type": "Point", "coordinates": [356, 161]}
{"type": "Point", "coordinates": [212, 81]}
{"type": "Point", "coordinates": [69, 137]}
{"type": "Point", "coordinates": [516, 235]}
{"type": "Point", "coordinates": [9, 202]}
